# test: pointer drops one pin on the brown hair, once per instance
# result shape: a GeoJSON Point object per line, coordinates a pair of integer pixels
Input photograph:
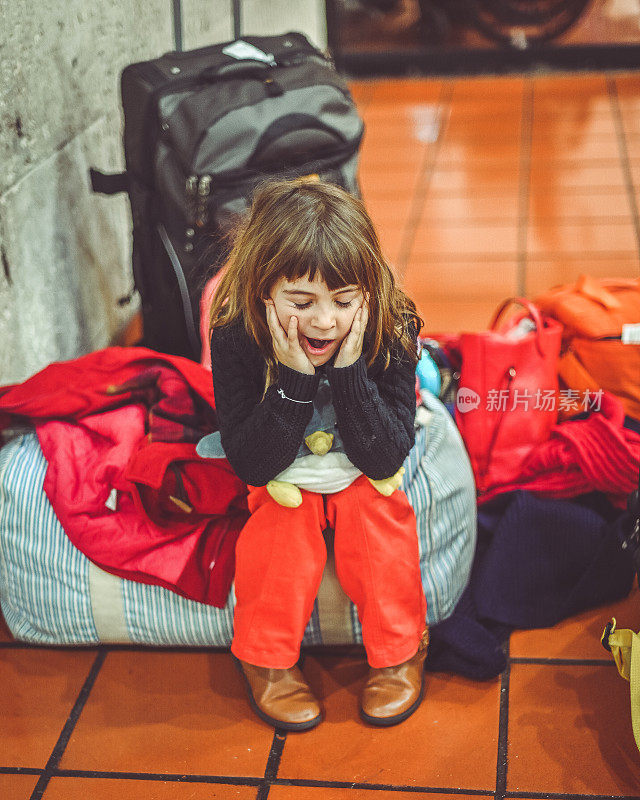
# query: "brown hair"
{"type": "Point", "coordinates": [296, 228]}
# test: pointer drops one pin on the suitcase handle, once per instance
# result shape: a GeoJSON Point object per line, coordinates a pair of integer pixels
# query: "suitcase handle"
{"type": "Point", "coordinates": [238, 69]}
{"type": "Point", "coordinates": [242, 69]}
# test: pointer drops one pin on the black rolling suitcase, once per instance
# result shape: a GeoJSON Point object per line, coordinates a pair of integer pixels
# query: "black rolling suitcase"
{"type": "Point", "coordinates": [201, 130]}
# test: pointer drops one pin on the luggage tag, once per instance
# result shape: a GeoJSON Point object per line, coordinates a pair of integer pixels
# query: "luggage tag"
{"type": "Point", "coordinates": [243, 51]}
{"type": "Point", "coordinates": [112, 501]}
{"type": "Point", "coordinates": [631, 333]}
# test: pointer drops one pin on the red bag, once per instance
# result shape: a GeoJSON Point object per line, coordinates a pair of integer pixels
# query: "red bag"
{"type": "Point", "coordinates": [507, 399]}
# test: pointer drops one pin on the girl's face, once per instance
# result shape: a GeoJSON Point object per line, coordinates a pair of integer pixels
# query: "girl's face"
{"type": "Point", "coordinates": [324, 317]}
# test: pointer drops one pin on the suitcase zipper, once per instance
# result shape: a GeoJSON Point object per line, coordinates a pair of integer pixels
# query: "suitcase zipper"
{"type": "Point", "coordinates": [204, 190]}
{"type": "Point", "coordinates": [199, 187]}
{"type": "Point", "coordinates": [197, 190]}
{"type": "Point", "coordinates": [602, 338]}
{"type": "Point", "coordinates": [191, 191]}
{"type": "Point", "coordinates": [226, 179]}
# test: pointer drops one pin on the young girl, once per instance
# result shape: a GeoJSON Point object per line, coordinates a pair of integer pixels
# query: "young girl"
{"type": "Point", "coordinates": [313, 356]}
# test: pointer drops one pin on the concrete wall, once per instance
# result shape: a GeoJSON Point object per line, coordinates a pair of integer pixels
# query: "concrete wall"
{"type": "Point", "coordinates": [65, 252]}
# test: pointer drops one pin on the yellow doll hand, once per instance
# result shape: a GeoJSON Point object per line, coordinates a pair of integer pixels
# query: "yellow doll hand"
{"type": "Point", "coordinates": [387, 486]}
{"type": "Point", "coordinates": [319, 442]}
{"type": "Point", "coordinates": [284, 493]}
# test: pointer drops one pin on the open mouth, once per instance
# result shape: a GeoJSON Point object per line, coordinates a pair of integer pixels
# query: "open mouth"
{"type": "Point", "coordinates": [318, 346]}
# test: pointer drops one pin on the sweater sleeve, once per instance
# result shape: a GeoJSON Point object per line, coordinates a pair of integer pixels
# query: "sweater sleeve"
{"type": "Point", "coordinates": [260, 436]}
{"type": "Point", "coordinates": [376, 413]}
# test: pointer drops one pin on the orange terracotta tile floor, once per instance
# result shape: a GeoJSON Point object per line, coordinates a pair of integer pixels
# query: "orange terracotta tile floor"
{"type": "Point", "coordinates": [481, 188]}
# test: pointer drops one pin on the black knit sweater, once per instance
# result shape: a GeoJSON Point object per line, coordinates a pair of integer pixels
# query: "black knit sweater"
{"type": "Point", "coordinates": [375, 409]}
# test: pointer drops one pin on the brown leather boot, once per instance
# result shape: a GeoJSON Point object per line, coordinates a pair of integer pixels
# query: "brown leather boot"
{"type": "Point", "coordinates": [281, 697]}
{"type": "Point", "coordinates": [391, 694]}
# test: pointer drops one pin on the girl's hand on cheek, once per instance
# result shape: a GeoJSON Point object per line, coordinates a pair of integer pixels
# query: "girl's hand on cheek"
{"type": "Point", "coordinates": [286, 345]}
{"type": "Point", "coordinates": [351, 347]}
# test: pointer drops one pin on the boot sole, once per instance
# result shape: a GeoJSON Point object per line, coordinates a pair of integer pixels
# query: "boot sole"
{"type": "Point", "coordinates": [387, 722]}
{"type": "Point", "coordinates": [276, 723]}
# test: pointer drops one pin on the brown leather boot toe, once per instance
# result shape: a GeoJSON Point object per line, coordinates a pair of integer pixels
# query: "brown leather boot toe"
{"type": "Point", "coordinates": [392, 694]}
{"type": "Point", "coordinates": [280, 697]}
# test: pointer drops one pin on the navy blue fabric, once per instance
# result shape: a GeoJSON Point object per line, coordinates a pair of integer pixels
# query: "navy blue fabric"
{"type": "Point", "coordinates": [632, 423]}
{"type": "Point", "coordinates": [537, 562]}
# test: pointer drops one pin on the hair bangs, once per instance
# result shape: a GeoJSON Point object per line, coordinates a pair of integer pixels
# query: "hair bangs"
{"type": "Point", "coordinates": [313, 250]}
{"type": "Point", "coordinates": [348, 260]}
{"type": "Point", "coordinates": [293, 256]}
{"type": "Point", "coordinates": [337, 259]}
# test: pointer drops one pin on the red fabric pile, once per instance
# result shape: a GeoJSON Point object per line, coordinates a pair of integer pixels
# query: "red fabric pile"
{"type": "Point", "coordinates": [583, 455]}
{"type": "Point", "coordinates": [118, 429]}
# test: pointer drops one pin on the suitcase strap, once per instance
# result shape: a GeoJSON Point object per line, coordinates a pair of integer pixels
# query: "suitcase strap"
{"type": "Point", "coordinates": [194, 338]}
{"type": "Point", "coordinates": [112, 183]}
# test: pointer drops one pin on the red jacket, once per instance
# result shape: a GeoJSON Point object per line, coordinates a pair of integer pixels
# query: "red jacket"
{"type": "Point", "coordinates": [118, 429]}
{"type": "Point", "coordinates": [584, 455]}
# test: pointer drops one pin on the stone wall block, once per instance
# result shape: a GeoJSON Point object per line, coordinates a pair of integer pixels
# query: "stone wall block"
{"type": "Point", "coordinates": [280, 16]}
{"type": "Point", "coordinates": [60, 64]}
{"type": "Point", "coordinates": [67, 251]}
{"type": "Point", "coordinates": [205, 22]}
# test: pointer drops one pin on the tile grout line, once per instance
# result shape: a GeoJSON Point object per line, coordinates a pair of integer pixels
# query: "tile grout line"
{"type": "Point", "coordinates": [63, 739]}
{"type": "Point", "coordinates": [524, 187]}
{"type": "Point", "coordinates": [273, 764]}
{"type": "Point", "coordinates": [233, 780]}
{"type": "Point", "coordinates": [564, 662]}
{"type": "Point", "coordinates": [618, 122]}
{"type": "Point", "coordinates": [503, 731]}
{"type": "Point", "coordinates": [550, 660]}
{"type": "Point", "coordinates": [383, 787]}
{"type": "Point", "coordinates": [422, 185]}
{"type": "Point", "coordinates": [167, 777]}
{"type": "Point", "coordinates": [568, 796]}
{"type": "Point", "coordinates": [20, 771]}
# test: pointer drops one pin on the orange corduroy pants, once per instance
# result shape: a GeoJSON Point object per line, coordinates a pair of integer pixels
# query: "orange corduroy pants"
{"type": "Point", "coordinates": [280, 557]}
